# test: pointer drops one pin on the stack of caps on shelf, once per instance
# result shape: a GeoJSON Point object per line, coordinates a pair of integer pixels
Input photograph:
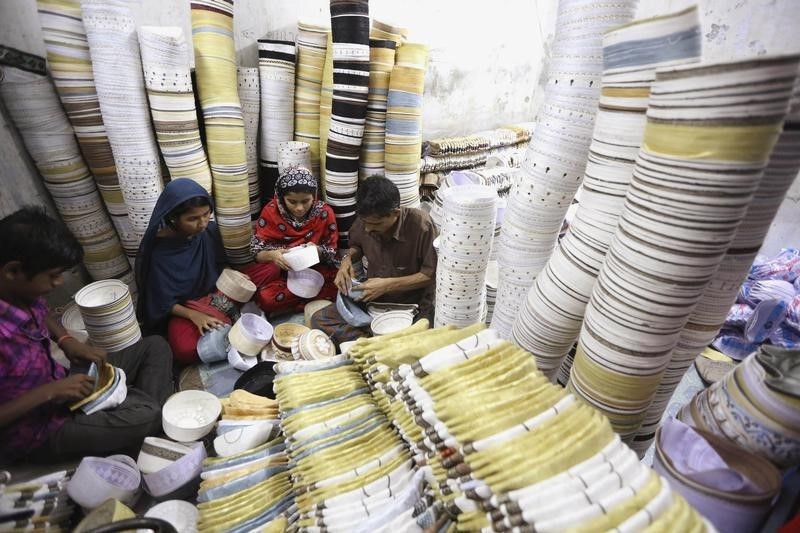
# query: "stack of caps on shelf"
{"type": "Point", "coordinates": [689, 193]}
{"type": "Point", "coordinates": [381, 61]}
{"type": "Point", "coordinates": [539, 458]}
{"type": "Point", "coordinates": [39, 504]}
{"type": "Point", "coordinates": [350, 77]}
{"type": "Point", "coordinates": [550, 318]}
{"type": "Point", "coordinates": [49, 137]}
{"type": "Point", "coordinates": [117, 67]}
{"type": "Point", "coordinates": [350, 470]}
{"type": "Point", "coordinates": [71, 68]}
{"type": "Point", "coordinates": [250, 98]}
{"type": "Point", "coordinates": [312, 39]}
{"type": "Point", "coordinates": [294, 154]}
{"type": "Point", "coordinates": [276, 66]}
{"type": "Point", "coordinates": [556, 157]}
{"type": "Point", "coordinates": [248, 336]}
{"type": "Point", "coordinates": [506, 143]}
{"type": "Point", "coordinates": [403, 141]}
{"type": "Point", "coordinates": [465, 242]}
{"type": "Point", "coordinates": [108, 314]}
{"type": "Point", "coordinates": [215, 67]}
{"type": "Point", "coordinates": [165, 60]}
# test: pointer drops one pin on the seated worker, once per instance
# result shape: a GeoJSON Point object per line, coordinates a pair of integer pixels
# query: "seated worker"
{"type": "Point", "coordinates": [180, 258]}
{"type": "Point", "coordinates": [293, 218]}
{"type": "Point", "coordinates": [395, 246]}
{"type": "Point", "coordinates": [35, 391]}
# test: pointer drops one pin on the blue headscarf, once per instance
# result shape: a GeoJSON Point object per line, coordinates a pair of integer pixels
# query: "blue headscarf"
{"type": "Point", "coordinates": [172, 270]}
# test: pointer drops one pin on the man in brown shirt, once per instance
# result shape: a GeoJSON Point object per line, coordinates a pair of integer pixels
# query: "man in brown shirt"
{"type": "Point", "coordinates": [395, 247]}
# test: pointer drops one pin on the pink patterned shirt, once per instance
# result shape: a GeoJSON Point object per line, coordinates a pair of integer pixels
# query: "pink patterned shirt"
{"type": "Point", "coordinates": [25, 363]}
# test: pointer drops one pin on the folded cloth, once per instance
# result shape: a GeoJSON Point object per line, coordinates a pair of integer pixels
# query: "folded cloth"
{"type": "Point", "coordinates": [785, 266]}
{"type": "Point", "coordinates": [770, 289]}
{"type": "Point", "coordinates": [793, 314]}
{"type": "Point", "coordinates": [782, 368]}
{"type": "Point", "coordinates": [766, 318]}
{"type": "Point", "coordinates": [738, 315]}
{"type": "Point", "coordinates": [785, 337]}
{"type": "Point", "coordinates": [734, 344]}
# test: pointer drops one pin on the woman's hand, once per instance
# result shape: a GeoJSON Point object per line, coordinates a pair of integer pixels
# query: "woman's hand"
{"type": "Point", "coordinates": [273, 256]}
{"type": "Point", "coordinates": [70, 389]}
{"type": "Point", "coordinates": [76, 350]}
{"type": "Point", "coordinates": [204, 322]}
{"type": "Point", "coordinates": [344, 277]}
{"type": "Point", "coordinates": [374, 288]}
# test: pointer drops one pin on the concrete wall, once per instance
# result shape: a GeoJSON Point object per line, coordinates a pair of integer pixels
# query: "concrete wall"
{"type": "Point", "coordinates": [485, 58]}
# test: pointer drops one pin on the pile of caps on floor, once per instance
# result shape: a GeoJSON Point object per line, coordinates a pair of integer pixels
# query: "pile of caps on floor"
{"type": "Point", "coordinates": [767, 309]}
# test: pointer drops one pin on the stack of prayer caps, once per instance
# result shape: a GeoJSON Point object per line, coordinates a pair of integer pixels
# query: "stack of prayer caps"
{"type": "Point", "coordinates": [276, 67]}
{"type": "Point", "coordinates": [710, 313]}
{"type": "Point", "coordinates": [117, 67]}
{"type": "Point", "coordinates": [294, 154]}
{"type": "Point", "coordinates": [381, 62]}
{"type": "Point", "coordinates": [250, 98]}
{"type": "Point", "coordinates": [403, 142]}
{"type": "Point", "coordinates": [709, 134]}
{"type": "Point", "coordinates": [215, 66]}
{"type": "Point", "coordinates": [350, 51]}
{"type": "Point", "coordinates": [465, 244]}
{"type": "Point", "coordinates": [312, 42]}
{"type": "Point", "coordinates": [557, 155]}
{"type": "Point", "coordinates": [70, 66]}
{"type": "Point", "coordinates": [34, 108]}
{"type": "Point", "coordinates": [550, 319]}
{"type": "Point", "coordinates": [165, 60]}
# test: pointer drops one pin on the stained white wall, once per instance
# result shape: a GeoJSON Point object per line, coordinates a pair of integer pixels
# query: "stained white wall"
{"type": "Point", "coordinates": [486, 58]}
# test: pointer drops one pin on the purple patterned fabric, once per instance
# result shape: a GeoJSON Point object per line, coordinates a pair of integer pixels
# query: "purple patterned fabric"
{"type": "Point", "coordinates": [25, 364]}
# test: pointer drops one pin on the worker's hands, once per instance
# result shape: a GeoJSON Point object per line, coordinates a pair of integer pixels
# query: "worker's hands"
{"type": "Point", "coordinates": [204, 322]}
{"type": "Point", "coordinates": [374, 288]}
{"type": "Point", "coordinates": [70, 389]}
{"type": "Point", "coordinates": [77, 351]}
{"type": "Point", "coordinates": [273, 256]}
{"type": "Point", "coordinates": [344, 277]}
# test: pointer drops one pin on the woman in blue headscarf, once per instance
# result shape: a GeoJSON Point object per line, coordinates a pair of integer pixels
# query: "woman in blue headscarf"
{"type": "Point", "coordinates": [180, 258]}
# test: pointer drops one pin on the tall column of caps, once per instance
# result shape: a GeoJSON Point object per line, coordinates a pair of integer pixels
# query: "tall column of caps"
{"type": "Point", "coordinates": [556, 158]}
{"type": "Point", "coordinates": [117, 68]}
{"type": "Point", "coordinates": [709, 134]}
{"type": "Point", "coordinates": [381, 62]}
{"type": "Point", "coordinates": [168, 79]}
{"type": "Point", "coordinates": [550, 318]}
{"type": "Point", "coordinates": [250, 98]}
{"type": "Point", "coordinates": [276, 67]}
{"type": "Point", "coordinates": [350, 37]}
{"type": "Point", "coordinates": [403, 141]}
{"type": "Point", "coordinates": [70, 67]}
{"type": "Point", "coordinates": [312, 45]}
{"type": "Point", "coordinates": [712, 309]}
{"type": "Point", "coordinates": [35, 109]}
{"type": "Point", "coordinates": [215, 68]}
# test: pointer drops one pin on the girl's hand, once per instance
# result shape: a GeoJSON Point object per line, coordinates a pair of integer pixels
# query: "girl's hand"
{"type": "Point", "coordinates": [204, 322]}
{"type": "Point", "coordinates": [273, 256]}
